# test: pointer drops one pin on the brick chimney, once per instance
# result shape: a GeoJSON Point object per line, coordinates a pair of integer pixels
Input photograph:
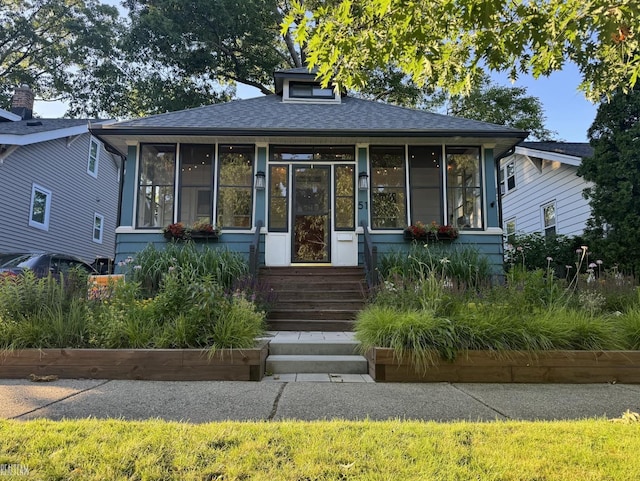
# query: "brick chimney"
{"type": "Point", "coordinates": [22, 102]}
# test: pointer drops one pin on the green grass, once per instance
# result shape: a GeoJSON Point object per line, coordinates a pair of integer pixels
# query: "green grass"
{"type": "Point", "coordinates": [390, 450]}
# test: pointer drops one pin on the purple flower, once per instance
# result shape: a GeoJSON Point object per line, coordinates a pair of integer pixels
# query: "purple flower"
{"type": "Point", "coordinates": [592, 265]}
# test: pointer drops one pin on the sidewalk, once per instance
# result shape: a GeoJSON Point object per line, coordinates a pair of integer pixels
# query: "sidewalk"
{"type": "Point", "coordinates": [217, 401]}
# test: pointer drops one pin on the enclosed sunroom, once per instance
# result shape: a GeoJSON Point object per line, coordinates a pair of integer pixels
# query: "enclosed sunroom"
{"type": "Point", "coordinates": [305, 173]}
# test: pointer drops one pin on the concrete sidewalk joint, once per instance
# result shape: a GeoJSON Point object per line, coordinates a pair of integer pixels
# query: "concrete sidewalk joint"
{"type": "Point", "coordinates": [60, 399]}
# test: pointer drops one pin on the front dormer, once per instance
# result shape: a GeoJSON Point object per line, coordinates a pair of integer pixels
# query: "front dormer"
{"type": "Point", "coordinates": [300, 85]}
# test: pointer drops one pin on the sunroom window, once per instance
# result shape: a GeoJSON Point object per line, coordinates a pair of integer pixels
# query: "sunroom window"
{"type": "Point", "coordinates": [156, 185]}
{"type": "Point", "coordinates": [196, 183]}
{"type": "Point", "coordinates": [235, 188]}
{"type": "Point", "coordinates": [464, 187]}
{"type": "Point", "coordinates": [426, 184]}
{"type": "Point", "coordinates": [388, 193]}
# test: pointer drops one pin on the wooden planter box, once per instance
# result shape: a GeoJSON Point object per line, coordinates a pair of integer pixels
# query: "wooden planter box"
{"type": "Point", "coordinates": [513, 367]}
{"type": "Point", "coordinates": [147, 364]}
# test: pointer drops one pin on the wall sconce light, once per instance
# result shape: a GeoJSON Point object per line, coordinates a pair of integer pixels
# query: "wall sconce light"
{"type": "Point", "coordinates": [261, 180]}
{"type": "Point", "coordinates": [363, 181]}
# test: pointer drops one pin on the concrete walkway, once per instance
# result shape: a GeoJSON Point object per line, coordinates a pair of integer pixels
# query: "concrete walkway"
{"type": "Point", "coordinates": [217, 401]}
{"type": "Point", "coordinates": [312, 397]}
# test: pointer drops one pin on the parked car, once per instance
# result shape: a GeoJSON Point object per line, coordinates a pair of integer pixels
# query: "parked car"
{"type": "Point", "coordinates": [42, 264]}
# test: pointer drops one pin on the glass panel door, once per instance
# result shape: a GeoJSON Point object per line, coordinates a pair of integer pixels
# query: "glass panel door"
{"type": "Point", "coordinates": [311, 214]}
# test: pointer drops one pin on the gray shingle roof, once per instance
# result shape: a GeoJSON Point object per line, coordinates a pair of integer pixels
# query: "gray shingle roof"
{"type": "Point", "coordinates": [577, 149]}
{"type": "Point", "coordinates": [270, 114]}
{"type": "Point", "coordinates": [22, 127]}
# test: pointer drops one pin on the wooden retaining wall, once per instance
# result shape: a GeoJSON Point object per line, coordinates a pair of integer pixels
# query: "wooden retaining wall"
{"type": "Point", "coordinates": [142, 364]}
{"type": "Point", "coordinates": [512, 367]}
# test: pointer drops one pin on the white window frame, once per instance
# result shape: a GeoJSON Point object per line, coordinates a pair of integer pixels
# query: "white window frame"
{"type": "Point", "coordinates": [543, 207]}
{"type": "Point", "coordinates": [512, 221]}
{"type": "Point", "coordinates": [35, 188]}
{"type": "Point", "coordinates": [93, 173]}
{"type": "Point", "coordinates": [504, 181]}
{"type": "Point", "coordinates": [96, 216]}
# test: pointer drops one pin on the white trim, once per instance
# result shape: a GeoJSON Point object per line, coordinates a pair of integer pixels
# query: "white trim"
{"type": "Point", "coordinates": [29, 139]}
{"type": "Point", "coordinates": [97, 240]}
{"type": "Point", "coordinates": [93, 141]}
{"type": "Point", "coordinates": [127, 229]}
{"type": "Point", "coordinates": [10, 150]}
{"type": "Point", "coordinates": [47, 208]}
{"type": "Point", "coordinates": [543, 206]}
{"type": "Point", "coordinates": [546, 155]}
{"type": "Point", "coordinates": [9, 115]}
{"type": "Point", "coordinates": [336, 99]}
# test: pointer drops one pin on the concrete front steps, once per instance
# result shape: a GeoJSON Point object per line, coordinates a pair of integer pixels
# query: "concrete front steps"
{"type": "Point", "coordinates": [334, 356]}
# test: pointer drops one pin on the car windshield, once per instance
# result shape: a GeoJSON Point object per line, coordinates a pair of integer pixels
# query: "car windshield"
{"type": "Point", "coordinates": [17, 260]}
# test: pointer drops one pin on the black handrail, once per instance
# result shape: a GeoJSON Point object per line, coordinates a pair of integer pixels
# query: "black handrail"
{"type": "Point", "coordinates": [370, 258]}
{"type": "Point", "coordinates": [254, 251]}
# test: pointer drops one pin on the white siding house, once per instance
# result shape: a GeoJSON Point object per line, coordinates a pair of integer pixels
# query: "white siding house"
{"type": "Point", "coordinates": [59, 185]}
{"type": "Point", "coordinates": [541, 191]}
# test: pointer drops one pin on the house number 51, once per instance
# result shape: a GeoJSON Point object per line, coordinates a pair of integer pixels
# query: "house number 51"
{"type": "Point", "coordinates": [363, 205]}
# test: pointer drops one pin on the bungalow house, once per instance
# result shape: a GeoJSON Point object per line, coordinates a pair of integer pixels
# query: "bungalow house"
{"type": "Point", "coordinates": [59, 185]}
{"type": "Point", "coordinates": [541, 191]}
{"type": "Point", "coordinates": [307, 173]}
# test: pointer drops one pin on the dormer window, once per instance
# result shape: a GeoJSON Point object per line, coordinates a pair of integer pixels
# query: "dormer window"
{"type": "Point", "coordinates": [303, 90]}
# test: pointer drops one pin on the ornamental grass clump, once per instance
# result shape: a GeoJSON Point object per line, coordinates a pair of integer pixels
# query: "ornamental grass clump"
{"type": "Point", "coordinates": [416, 333]}
{"type": "Point", "coordinates": [464, 267]}
{"type": "Point", "coordinates": [151, 264]}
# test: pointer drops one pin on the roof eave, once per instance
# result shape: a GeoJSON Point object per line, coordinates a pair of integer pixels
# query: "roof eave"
{"type": "Point", "coordinates": [249, 132]}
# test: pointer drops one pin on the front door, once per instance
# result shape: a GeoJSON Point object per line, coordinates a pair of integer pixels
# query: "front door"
{"type": "Point", "coordinates": [311, 209]}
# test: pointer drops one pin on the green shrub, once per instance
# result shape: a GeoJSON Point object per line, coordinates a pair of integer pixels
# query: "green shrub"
{"type": "Point", "coordinates": [532, 251]}
{"type": "Point", "coordinates": [44, 312]}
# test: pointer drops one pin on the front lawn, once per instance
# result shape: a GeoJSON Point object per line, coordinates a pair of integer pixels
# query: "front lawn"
{"type": "Point", "coordinates": [392, 450]}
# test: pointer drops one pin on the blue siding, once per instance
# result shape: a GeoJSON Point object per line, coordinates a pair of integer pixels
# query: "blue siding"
{"type": "Point", "coordinates": [487, 244]}
{"type": "Point", "coordinates": [128, 245]}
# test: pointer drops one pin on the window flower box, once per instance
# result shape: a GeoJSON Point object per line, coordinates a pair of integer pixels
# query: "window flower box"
{"type": "Point", "coordinates": [197, 231]}
{"type": "Point", "coordinates": [430, 232]}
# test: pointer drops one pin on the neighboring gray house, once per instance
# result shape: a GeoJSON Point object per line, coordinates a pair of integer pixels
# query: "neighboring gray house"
{"type": "Point", "coordinates": [59, 185]}
{"type": "Point", "coordinates": [541, 191]}
{"type": "Point", "coordinates": [307, 172]}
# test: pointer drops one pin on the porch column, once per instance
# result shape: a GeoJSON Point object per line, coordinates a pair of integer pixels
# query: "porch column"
{"type": "Point", "coordinates": [363, 194]}
{"type": "Point", "coordinates": [491, 189]}
{"type": "Point", "coordinates": [128, 188]}
{"type": "Point", "coordinates": [261, 195]}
